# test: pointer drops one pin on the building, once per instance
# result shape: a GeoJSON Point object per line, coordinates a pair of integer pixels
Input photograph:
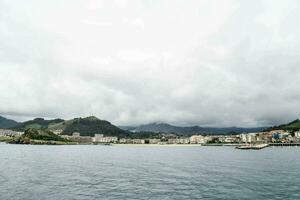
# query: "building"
{"type": "Point", "coordinates": [197, 139]}
{"type": "Point", "coordinates": [123, 141]}
{"type": "Point", "coordinates": [297, 134]}
{"type": "Point", "coordinates": [243, 137]}
{"type": "Point", "coordinates": [76, 134]}
{"type": "Point", "coordinates": [131, 141]}
{"type": "Point", "coordinates": [179, 141]}
{"type": "Point", "coordinates": [154, 141]}
{"type": "Point", "coordinates": [101, 139]}
{"type": "Point", "coordinates": [248, 138]}
{"type": "Point", "coordinates": [6, 132]}
{"type": "Point", "coordinates": [138, 141]}
{"type": "Point", "coordinates": [98, 135]}
{"type": "Point", "coordinates": [232, 139]}
{"type": "Point", "coordinates": [57, 132]}
{"type": "Point", "coordinates": [77, 138]}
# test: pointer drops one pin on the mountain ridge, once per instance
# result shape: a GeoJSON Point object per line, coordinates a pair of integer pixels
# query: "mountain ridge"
{"type": "Point", "coordinates": [188, 130]}
{"type": "Point", "coordinates": [87, 126]}
{"type": "Point", "coordinates": [7, 123]}
{"type": "Point", "coordinates": [291, 126]}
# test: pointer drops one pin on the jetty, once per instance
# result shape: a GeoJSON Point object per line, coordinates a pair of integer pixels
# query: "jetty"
{"type": "Point", "coordinates": [252, 146]}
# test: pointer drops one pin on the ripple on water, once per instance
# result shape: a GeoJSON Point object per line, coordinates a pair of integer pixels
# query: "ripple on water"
{"type": "Point", "coordinates": [120, 172]}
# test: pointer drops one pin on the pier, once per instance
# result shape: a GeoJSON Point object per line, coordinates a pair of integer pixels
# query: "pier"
{"type": "Point", "coordinates": [252, 147]}
{"type": "Point", "coordinates": [284, 144]}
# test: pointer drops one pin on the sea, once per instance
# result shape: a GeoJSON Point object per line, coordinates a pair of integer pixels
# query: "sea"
{"type": "Point", "coordinates": [79, 172]}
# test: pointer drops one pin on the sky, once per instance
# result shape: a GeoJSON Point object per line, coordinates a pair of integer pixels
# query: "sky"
{"type": "Point", "coordinates": [192, 62]}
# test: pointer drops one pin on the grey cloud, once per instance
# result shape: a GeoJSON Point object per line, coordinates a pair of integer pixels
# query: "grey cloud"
{"type": "Point", "coordinates": [229, 63]}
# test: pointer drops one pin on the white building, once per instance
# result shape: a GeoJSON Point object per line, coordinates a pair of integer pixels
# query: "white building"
{"type": "Point", "coordinates": [154, 141]}
{"type": "Point", "coordinates": [248, 138]}
{"type": "Point", "coordinates": [5, 132]}
{"type": "Point", "coordinates": [101, 139]}
{"type": "Point", "coordinates": [138, 141]}
{"type": "Point", "coordinates": [57, 132]}
{"type": "Point", "coordinates": [179, 141]}
{"type": "Point", "coordinates": [76, 134]}
{"type": "Point", "coordinates": [197, 139]}
{"type": "Point", "coordinates": [297, 134]}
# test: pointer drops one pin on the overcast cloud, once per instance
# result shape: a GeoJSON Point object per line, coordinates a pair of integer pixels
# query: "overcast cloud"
{"type": "Point", "coordinates": [204, 62]}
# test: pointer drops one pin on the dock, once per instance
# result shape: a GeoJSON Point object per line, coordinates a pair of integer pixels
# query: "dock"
{"type": "Point", "coordinates": [252, 147]}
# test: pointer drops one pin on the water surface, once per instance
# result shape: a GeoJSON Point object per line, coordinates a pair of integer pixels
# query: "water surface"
{"type": "Point", "coordinates": [139, 172]}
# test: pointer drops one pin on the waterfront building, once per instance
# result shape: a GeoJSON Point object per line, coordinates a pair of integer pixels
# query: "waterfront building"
{"type": "Point", "coordinates": [138, 141]}
{"type": "Point", "coordinates": [243, 137]}
{"type": "Point", "coordinates": [98, 135]}
{"type": "Point", "coordinates": [123, 141]}
{"type": "Point", "coordinates": [197, 139]}
{"type": "Point", "coordinates": [76, 134]}
{"type": "Point", "coordinates": [131, 141]}
{"type": "Point", "coordinates": [6, 132]}
{"type": "Point", "coordinates": [101, 139]}
{"type": "Point", "coordinates": [154, 141]}
{"type": "Point", "coordinates": [231, 139]}
{"type": "Point", "coordinates": [248, 138]}
{"type": "Point", "coordinates": [297, 134]}
{"type": "Point", "coordinates": [179, 141]}
{"type": "Point", "coordinates": [77, 138]}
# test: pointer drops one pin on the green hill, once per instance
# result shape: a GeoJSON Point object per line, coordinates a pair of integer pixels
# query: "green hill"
{"type": "Point", "coordinates": [7, 123]}
{"type": "Point", "coordinates": [85, 126]}
{"type": "Point", "coordinates": [37, 123]}
{"type": "Point", "coordinates": [91, 125]}
{"type": "Point", "coordinates": [34, 136]}
{"type": "Point", "coordinates": [292, 126]}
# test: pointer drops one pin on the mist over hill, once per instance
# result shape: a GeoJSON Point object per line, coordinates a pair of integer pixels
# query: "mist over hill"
{"type": "Point", "coordinates": [189, 130]}
{"type": "Point", "coordinates": [89, 126]}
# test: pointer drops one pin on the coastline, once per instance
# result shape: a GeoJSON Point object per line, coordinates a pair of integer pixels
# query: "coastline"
{"type": "Point", "coordinates": [159, 145]}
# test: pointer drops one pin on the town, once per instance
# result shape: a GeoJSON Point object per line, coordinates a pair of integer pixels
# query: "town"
{"type": "Point", "coordinates": [273, 137]}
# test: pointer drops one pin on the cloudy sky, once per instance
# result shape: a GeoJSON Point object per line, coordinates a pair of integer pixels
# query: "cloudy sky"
{"type": "Point", "coordinates": [185, 62]}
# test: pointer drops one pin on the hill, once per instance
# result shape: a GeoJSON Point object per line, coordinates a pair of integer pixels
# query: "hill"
{"type": "Point", "coordinates": [89, 126]}
{"type": "Point", "coordinates": [37, 123]}
{"type": "Point", "coordinates": [190, 130]}
{"type": "Point", "coordinates": [292, 126]}
{"type": "Point", "coordinates": [7, 123]}
{"type": "Point", "coordinates": [34, 136]}
{"type": "Point", "coordinates": [85, 126]}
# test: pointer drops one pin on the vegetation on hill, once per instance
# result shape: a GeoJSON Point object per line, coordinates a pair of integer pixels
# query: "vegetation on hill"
{"type": "Point", "coordinates": [145, 135]}
{"type": "Point", "coordinates": [91, 125]}
{"type": "Point", "coordinates": [85, 126]}
{"type": "Point", "coordinates": [41, 135]}
{"type": "Point", "coordinates": [37, 123]}
{"type": "Point", "coordinates": [7, 123]}
{"type": "Point", "coordinates": [190, 130]}
{"type": "Point", "coordinates": [34, 136]}
{"type": "Point", "coordinates": [292, 126]}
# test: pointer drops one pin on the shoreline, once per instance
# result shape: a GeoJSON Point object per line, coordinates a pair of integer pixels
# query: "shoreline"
{"type": "Point", "coordinates": [159, 145]}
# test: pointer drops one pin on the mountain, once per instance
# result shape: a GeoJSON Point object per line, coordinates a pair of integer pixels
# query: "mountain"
{"type": "Point", "coordinates": [190, 130]}
{"type": "Point", "coordinates": [7, 123]}
{"type": "Point", "coordinates": [292, 126]}
{"type": "Point", "coordinates": [85, 126]}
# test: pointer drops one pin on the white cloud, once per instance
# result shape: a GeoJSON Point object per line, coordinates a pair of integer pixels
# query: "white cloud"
{"type": "Point", "coordinates": [205, 62]}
